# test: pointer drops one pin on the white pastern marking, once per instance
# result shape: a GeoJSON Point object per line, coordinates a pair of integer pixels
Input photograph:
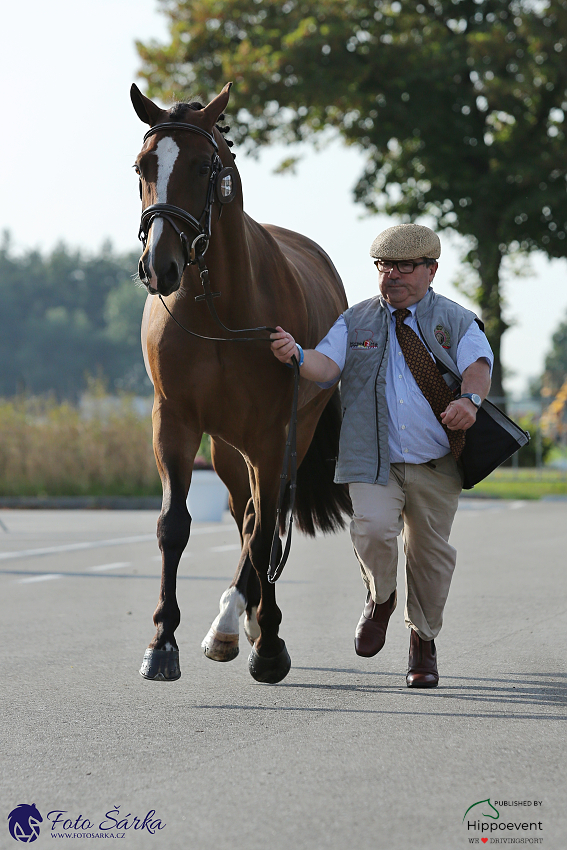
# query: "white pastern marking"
{"type": "Point", "coordinates": [47, 577]}
{"type": "Point", "coordinates": [101, 567]}
{"type": "Point", "coordinates": [168, 647]}
{"type": "Point", "coordinates": [232, 604]}
{"type": "Point", "coordinates": [251, 626]}
{"type": "Point", "coordinates": [167, 152]}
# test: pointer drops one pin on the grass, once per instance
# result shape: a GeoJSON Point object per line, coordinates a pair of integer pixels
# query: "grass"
{"type": "Point", "coordinates": [509, 483]}
{"type": "Point", "coordinates": [51, 449]}
{"type": "Point", "coordinates": [103, 448]}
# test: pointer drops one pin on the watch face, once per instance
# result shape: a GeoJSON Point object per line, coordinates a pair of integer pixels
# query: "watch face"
{"type": "Point", "coordinates": [476, 399]}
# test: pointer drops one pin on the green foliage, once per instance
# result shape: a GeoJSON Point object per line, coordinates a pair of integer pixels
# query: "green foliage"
{"type": "Point", "coordinates": [458, 106]}
{"type": "Point", "coordinates": [556, 361]}
{"type": "Point", "coordinates": [66, 316]}
{"type": "Point", "coordinates": [506, 483]}
{"type": "Point", "coordinates": [102, 447]}
{"type": "Point", "coordinates": [527, 456]}
{"type": "Point", "coordinates": [104, 450]}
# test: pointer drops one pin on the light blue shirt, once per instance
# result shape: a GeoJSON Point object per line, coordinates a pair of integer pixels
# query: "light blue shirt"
{"type": "Point", "coordinates": [414, 434]}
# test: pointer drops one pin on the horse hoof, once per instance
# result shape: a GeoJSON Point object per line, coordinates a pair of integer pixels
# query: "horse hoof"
{"type": "Point", "coordinates": [269, 670]}
{"type": "Point", "coordinates": [220, 647]}
{"type": "Point", "coordinates": [161, 665]}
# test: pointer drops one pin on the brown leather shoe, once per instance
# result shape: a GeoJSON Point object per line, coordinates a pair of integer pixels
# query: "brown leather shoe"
{"type": "Point", "coordinates": [422, 672]}
{"type": "Point", "coordinates": [370, 634]}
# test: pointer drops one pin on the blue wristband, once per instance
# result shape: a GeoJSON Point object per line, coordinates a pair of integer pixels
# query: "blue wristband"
{"type": "Point", "coordinates": [301, 357]}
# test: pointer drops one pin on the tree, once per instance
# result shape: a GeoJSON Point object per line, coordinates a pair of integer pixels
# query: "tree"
{"type": "Point", "coordinates": [64, 317]}
{"type": "Point", "coordinates": [555, 373]}
{"type": "Point", "coordinates": [458, 106]}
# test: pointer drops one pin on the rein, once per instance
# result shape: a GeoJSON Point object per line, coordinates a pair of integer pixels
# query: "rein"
{"type": "Point", "coordinates": [221, 179]}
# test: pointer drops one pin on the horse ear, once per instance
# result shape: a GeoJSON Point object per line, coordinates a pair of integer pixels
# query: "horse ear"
{"type": "Point", "coordinates": [146, 109]}
{"type": "Point", "coordinates": [217, 105]}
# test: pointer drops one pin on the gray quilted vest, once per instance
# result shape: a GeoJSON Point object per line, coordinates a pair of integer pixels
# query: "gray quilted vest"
{"type": "Point", "coordinates": [363, 446]}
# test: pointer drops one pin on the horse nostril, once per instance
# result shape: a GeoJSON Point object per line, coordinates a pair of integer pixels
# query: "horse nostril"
{"type": "Point", "coordinates": [172, 274]}
{"type": "Point", "coordinates": [142, 274]}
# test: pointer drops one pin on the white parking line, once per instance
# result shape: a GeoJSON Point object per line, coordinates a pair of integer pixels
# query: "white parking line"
{"type": "Point", "coordinates": [102, 567]}
{"type": "Point", "coordinates": [46, 577]}
{"type": "Point", "coordinates": [230, 547]}
{"type": "Point", "coordinates": [97, 544]}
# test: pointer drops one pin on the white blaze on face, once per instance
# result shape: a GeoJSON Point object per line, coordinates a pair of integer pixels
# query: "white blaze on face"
{"type": "Point", "coordinates": [167, 152]}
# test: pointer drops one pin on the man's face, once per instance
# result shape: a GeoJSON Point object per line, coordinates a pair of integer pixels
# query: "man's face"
{"type": "Point", "coordinates": [403, 290]}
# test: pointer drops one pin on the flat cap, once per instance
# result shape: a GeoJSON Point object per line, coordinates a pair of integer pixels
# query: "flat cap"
{"type": "Point", "coordinates": [406, 242]}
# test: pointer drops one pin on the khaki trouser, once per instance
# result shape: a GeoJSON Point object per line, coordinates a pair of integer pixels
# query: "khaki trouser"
{"type": "Point", "coordinates": [419, 500]}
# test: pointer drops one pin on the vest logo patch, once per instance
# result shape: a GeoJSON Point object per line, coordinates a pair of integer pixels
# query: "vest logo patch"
{"type": "Point", "coordinates": [363, 340]}
{"type": "Point", "coordinates": [442, 336]}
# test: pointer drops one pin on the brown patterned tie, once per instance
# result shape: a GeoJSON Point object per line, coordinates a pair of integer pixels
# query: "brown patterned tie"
{"type": "Point", "coordinates": [427, 377]}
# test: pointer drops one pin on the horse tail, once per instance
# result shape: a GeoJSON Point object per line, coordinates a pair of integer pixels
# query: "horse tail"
{"type": "Point", "coordinates": [320, 504]}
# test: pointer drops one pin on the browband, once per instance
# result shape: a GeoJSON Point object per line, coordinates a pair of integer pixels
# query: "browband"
{"type": "Point", "coordinates": [179, 125]}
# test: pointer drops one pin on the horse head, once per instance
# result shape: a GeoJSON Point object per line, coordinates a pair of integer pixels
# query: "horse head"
{"type": "Point", "coordinates": [181, 173]}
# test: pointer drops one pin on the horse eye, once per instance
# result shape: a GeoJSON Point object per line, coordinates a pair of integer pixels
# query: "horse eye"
{"type": "Point", "coordinates": [205, 168]}
{"type": "Point", "coordinates": [137, 170]}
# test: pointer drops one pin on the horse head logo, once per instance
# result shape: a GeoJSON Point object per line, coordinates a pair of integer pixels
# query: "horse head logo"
{"type": "Point", "coordinates": [484, 814]}
{"type": "Point", "coordinates": [23, 823]}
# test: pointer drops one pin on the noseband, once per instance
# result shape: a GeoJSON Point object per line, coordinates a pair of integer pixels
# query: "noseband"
{"type": "Point", "coordinates": [221, 184]}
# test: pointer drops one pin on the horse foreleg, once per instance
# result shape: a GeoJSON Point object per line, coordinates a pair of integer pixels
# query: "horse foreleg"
{"type": "Point", "coordinates": [175, 447]}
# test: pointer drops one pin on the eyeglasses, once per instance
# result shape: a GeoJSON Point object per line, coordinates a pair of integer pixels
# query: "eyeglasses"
{"type": "Point", "coordinates": [403, 266]}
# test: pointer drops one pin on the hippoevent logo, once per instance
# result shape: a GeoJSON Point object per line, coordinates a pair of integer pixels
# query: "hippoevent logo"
{"type": "Point", "coordinates": [23, 823]}
{"type": "Point", "coordinates": [486, 819]}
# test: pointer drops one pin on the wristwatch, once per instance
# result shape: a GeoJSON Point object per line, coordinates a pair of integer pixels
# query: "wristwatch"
{"type": "Point", "coordinates": [476, 399]}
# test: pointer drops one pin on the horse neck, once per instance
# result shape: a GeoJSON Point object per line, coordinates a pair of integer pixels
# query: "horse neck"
{"type": "Point", "coordinates": [229, 265]}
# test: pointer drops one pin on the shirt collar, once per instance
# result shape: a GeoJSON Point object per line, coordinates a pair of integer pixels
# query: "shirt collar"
{"type": "Point", "coordinates": [412, 308]}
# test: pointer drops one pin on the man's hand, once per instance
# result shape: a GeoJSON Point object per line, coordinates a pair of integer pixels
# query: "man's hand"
{"type": "Point", "coordinates": [459, 415]}
{"type": "Point", "coordinates": [316, 366]}
{"type": "Point", "coordinates": [283, 346]}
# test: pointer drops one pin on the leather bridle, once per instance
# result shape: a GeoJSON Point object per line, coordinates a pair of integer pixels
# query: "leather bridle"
{"type": "Point", "coordinates": [194, 254]}
{"type": "Point", "coordinates": [202, 226]}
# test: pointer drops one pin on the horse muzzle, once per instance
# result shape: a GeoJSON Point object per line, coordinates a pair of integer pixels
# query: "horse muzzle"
{"type": "Point", "coordinates": [160, 278]}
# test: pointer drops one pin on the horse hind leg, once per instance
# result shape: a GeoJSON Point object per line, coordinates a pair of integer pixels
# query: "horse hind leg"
{"type": "Point", "coordinates": [269, 660]}
{"type": "Point", "coordinates": [221, 643]}
{"type": "Point", "coordinates": [251, 626]}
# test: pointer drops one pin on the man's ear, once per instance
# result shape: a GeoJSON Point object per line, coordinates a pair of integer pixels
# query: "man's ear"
{"type": "Point", "coordinates": [146, 109]}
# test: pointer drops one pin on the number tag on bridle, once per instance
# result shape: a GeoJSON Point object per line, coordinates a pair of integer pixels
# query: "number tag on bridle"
{"type": "Point", "coordinates": [226, 185]}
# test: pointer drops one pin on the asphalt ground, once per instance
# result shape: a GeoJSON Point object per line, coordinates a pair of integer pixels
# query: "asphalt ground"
{"type": "Point", "coordinates": [340, 754]}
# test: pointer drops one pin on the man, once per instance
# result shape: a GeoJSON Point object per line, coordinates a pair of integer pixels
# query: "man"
{"type": "Point", "coordinates": [402, 434]}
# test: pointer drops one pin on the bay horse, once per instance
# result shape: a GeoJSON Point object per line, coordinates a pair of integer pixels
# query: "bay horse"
{"type": "Point", "coordinates": [238, 393]}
